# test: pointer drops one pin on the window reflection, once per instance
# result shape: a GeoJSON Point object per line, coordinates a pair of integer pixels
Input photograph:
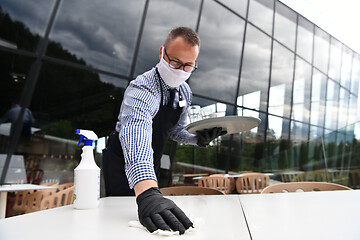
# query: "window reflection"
{"type": "Point", "coordinates": [161, 17]}
{"type": "Point", "coordinates": [281, 81]}
{"type": "Point", "coordinates": [236, 5]}
{"type": "Point", "coordinates": [255, 67]}
{"type": "Point", "coordinates": [332, 98]}
{"type": "Point", "coordinates": [318, 98]}
{"type": "Point", "coordinates": [301, 92]}
{"type": "Point", "coordinates": [346, 67]}
{"type": "Point", "coordinates": [221, 33]}
{"type": "Point", "coordinates": [305, 39]}
{"type": "Point", "coordinates": [355, 74]}
{"type": "Point", "coordinates": [13, 74]}
{"type": "Point", "coordinates": [321, 50]}
{"type": "Point", "coordinates": [97, 38]}
{"type": "Point", "coordinates": [343, 108]}
{"type": "Point", "coordinates": [315, 132]}
{"type": "Point", "coordinates": [335, 60]}
{"type": "Point", "coordinates": [24, 22]}
{"type": "Point", "coordinates": [261, 14]}
{"type": "Point", "coordinates": [299, 132]}
{"type": "Point", "coordinates": [352, 114]}
{"type": "Point", "coordinates": [285, 25]}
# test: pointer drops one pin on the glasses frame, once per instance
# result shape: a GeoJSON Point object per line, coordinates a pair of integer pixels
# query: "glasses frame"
{"type": "Point", "coordinates": [194, 67]}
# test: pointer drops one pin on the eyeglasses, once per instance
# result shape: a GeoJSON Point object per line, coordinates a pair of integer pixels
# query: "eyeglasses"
{"type": "Point", "coordinates": [177, 65]}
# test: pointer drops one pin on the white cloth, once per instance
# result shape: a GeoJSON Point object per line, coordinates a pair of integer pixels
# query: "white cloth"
{"type": "Point", "coordinates": [197, 222]}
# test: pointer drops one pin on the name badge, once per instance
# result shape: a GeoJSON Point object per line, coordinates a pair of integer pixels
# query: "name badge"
{"type": "Point", "coordinates": [182, 103]}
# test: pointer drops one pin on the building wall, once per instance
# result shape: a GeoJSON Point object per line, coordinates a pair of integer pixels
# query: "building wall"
{"type": "Point", "coordinates": [258, 58]}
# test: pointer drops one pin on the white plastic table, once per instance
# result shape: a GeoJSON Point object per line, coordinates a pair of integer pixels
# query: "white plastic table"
{"type": "Point", "coordinates": [307, 215]}
{"type": "Point", "coordinates": [4, 189]}
{"type": "Point", "coordinates": [221, 215]}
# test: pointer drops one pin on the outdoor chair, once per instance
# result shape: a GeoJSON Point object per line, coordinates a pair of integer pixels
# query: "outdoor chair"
{"type": "Point", "coordinates": [232, 180]}
{"type": "Point", "coordinates": [220, 183]}
{"type": "Point", "coordinates": [304, 187]}
{"type": "Point", "coordinates": [61, 198]}
{"type": "Point", "coordinates": [252, 183]}
{"type": "Point", "coordinates": [189, 190]}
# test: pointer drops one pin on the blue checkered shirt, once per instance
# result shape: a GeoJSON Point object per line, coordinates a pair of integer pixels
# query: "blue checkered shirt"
{"type": "Point", "coordinates": [140, 105]}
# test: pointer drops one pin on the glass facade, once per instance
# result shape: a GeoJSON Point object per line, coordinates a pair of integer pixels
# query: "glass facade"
{"type": "Point", "coordinates": [258, 58]}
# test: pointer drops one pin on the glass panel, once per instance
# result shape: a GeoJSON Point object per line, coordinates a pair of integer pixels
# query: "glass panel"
{"type": "Point", "coordinates": [161, 17]}
{"type": "Point", "coordinates": [285, 25]}
{"type": "Point", "coordinates": [305, 39]}
{"type": "Point", "coordinates": [299, 132]}
{"type": "Point", "coordinates": [321, 50]}
{"type": "Point", "coordinates": [214, 158]}
{"type": "Point", "coordinates": [218, 72]}
{"type": "Point", "coordinates": [318, 98]}
{"type": "Point", "coordinates": [355, 75]}
{"type": "Point", "coordinates": [343, 107]}
{"type": "Point", "coordinates": [346, 67]}
{"type": "Point", "coordinates": [335, 60]}
{"type": "Point", "coordinates": [301, 92]}
{"type": "Point", "coordinates": [315, 132]}
{"type": "Point", "coordinates": [332, 99]}
{"type": "Point", "coordinates": [261, 14]}
{"type": "Point", "coordinates": [352, 109]}
{"type": "Point", "coordinates": [255, 70]}
{"type": "Point", "coordinates": [281, 81]}
{"type": "Point", "coordinates": [202, 108]}
{"type": "Point", "coordinates": [94, 38]}
{"type": "Point", "coordinates": [249, 148]}
{"type": "Point", "coordinates": [13, 75]}
{"type": "Point", "coordinates": [22, 22]}
{"type": "Point", "coordinates": [237, 6]}
{"type": "Point", "coordinates": [87, 101]}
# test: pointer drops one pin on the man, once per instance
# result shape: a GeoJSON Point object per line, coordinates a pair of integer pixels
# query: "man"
{"type": "Point", "coordinates": [154, 108]}
{"type": "Point", "coordinates": [12, 115]}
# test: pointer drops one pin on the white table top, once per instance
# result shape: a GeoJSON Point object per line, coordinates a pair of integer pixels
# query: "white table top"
{"type": "Point", "coordinates": [22, 187]}
{"type": "Point", "coordinates": [309, 215]}
{"type": "Point", "coordinates": [221, 216]}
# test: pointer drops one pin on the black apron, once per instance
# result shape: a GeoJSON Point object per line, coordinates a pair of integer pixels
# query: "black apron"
{"type": "Point", "coordinates": [116, 183]}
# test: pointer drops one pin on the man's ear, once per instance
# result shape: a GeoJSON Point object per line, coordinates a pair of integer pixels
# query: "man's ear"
{"type": "Point", "coordinates": [160, 51]}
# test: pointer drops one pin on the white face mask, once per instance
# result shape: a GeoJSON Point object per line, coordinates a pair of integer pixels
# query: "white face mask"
{"type": "Point", "coordinates": [172, 77]}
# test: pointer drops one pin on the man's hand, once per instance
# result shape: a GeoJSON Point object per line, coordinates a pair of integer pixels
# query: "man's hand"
{"type": "Point", "coordinates": [156, 212]}
{"type": "Point", "coordinates": [204, 137]}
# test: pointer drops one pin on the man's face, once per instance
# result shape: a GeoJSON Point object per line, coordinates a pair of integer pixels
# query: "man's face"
{"type": "Point", "coordinates": [181, 51]}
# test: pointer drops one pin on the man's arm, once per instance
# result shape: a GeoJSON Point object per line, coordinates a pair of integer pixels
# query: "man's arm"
{"type": "Point", "coordinates": [144, 185]}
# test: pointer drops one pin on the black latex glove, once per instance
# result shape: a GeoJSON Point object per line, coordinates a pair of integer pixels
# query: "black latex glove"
{"type": "Point", "coordinates": [204, 137]}
{"type": "Point", "coordinates": [156, 212]}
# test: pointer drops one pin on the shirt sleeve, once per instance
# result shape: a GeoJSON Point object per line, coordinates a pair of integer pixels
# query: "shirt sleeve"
{"type": "Point", "coordinates": [138, 108]}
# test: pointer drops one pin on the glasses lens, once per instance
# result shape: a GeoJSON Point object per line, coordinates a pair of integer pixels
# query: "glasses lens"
{"type": "Point", "coordinates": [188, 68]}
{"type": "Point", "coordinates": [174, 64]}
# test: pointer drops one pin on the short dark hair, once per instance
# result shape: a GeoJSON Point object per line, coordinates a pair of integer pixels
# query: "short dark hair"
{"type": "Point", "coordinates": [189, 35]}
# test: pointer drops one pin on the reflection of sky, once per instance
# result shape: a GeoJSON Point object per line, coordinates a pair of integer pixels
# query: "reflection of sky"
{"type": "Point", "coordinates": [105, 40]}
{"type": "Point", "coordinates": [34, 14]}
{"type": "Point", "coordinates": [221, 34]}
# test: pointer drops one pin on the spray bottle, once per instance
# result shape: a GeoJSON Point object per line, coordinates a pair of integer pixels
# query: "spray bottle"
{"type": "Point", "coordinates": [86, 174]}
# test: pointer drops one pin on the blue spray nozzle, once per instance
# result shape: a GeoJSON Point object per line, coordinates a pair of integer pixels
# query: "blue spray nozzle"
{"type": "Point", "coordinates": [86, 135]}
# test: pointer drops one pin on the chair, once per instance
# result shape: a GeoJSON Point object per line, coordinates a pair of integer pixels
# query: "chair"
{"type": "Point", "coordinates": [252, 183]}
{"type": "Point", "coordinates": [22, 199]}
{"type": "Point", "coordinates": [219, 183]}
{"type": "Point", "coordinates": [61, 198]}
{"type": "Point", "coordinates": [189, 190]}
{"type": "Point", "coordinates": [232, 180]}
{"type": "Point", "coordinates": [303, 187]}
{"type": "Point", "coordinates": [293, 176]}
{"type": "Point", "coordinates": [33, 200]}
{"type": "Point", "coordinates": [65, 186]}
